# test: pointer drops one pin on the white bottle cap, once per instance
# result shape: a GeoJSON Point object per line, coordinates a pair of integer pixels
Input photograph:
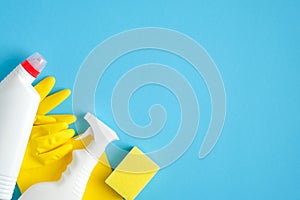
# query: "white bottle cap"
{"type": "Point", "coordinates": [34, 64]}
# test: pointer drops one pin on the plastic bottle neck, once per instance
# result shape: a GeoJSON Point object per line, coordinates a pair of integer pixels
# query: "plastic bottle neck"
{"type": "Point", "coordinates": [30, 69]}
{"type": "Point", "coordinates": [25, 75]}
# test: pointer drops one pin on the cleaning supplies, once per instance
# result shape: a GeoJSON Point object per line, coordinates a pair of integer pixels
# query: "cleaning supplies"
{"type": "Point", "coordinates": [51, 142]}
{"type": "Point", "coordinates": [49, 166]}
{"type": "Point", "coordinates": [74, 180]}
{"type": "Point", "coordinates": [18, 105]}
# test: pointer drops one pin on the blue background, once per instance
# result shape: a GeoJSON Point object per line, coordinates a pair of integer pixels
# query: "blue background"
{"type": "Point", "coordinates": [256, 47]}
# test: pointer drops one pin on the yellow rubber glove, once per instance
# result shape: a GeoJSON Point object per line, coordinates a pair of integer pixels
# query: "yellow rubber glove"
{"type": "Point", "coordinates": [50, 147]}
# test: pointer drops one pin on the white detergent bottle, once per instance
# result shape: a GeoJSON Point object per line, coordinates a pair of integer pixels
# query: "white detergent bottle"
{"type": "Point", "coordinates": [18, 106]}
{"type": "Point", "coordinates": [73, 182]}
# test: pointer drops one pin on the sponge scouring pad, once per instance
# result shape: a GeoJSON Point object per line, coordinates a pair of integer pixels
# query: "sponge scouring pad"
{"type": "Point", "coordinates": [132, 174]}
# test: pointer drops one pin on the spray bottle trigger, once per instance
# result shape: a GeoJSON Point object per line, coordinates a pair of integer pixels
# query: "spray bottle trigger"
{"type": "Point", "coordinates": [101, 134]}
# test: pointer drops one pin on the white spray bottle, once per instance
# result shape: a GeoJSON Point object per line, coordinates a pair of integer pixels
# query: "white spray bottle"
{"type": "Point", "coordinates": [18, 106]}
{"type": "Point", "coordinates": [73, 182]}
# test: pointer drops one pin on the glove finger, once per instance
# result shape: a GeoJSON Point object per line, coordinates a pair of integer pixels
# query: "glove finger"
{"type": "Point", "coordinates": [81, 143]}
{"type": "Point", "coordinates": [48, 142]}
{"type": "Point", "coordinates": [56, 154]}
{"type": "Point", "coordinates": [45, 86]}
{"type": "Point", "coordinates": [47, 129]}
{"type": "Point", "coordinates": [42, 119]}
{"type": "Point", "coordinates": [52, 101]}
{"type": "Point", "coordinates": [76, 144]}
{"type": "Point", "coordinates": [69, 119]}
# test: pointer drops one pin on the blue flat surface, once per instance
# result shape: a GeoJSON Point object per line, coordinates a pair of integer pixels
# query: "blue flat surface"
{"type": "Point", "coordinates": [256, 46]}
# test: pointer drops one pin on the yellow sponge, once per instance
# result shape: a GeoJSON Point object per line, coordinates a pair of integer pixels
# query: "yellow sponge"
{"type": "Point", "coordinates": [132, 174]}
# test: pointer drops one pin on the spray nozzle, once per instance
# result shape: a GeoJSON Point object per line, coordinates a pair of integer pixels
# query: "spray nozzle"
{"type": "Point", "coordinates": [97, 136]}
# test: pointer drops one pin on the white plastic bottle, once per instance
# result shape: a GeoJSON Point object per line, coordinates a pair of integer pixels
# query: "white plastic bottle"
{"type": "Point", "coordinates": [73, 182]}
{"type": "Point", "coordinates": [18, 106]}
